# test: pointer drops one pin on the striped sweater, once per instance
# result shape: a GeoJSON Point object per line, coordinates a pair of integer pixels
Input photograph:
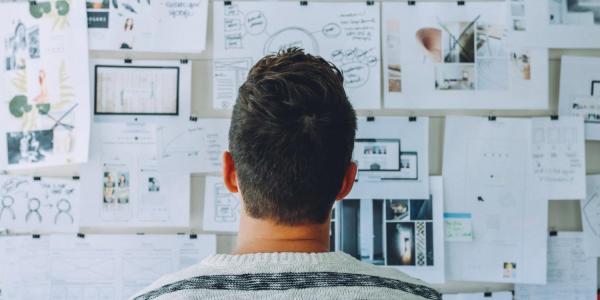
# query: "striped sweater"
{"type": "Point", "coordinates": [334, 275]}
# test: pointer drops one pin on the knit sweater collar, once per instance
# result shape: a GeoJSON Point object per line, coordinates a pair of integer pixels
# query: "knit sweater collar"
{"type": "Point", "coordinates": [278, 258]}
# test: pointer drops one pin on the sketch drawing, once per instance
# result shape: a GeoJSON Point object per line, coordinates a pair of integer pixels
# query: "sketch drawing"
{"type": "Point", "coordinates": [347, 35]}
{"type": "Point", "coordinates": [221, 208]}
{"type": "Point", "coordinates": [227, 206]}
{"type": "Point", "coordinates": [194, 146]}
{"type": "Point", "coordinates": [41, 204]}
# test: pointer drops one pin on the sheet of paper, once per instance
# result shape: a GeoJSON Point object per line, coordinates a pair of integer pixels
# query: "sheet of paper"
{"type": "Point", "coordinates": [95, 266]}
{"type": "Point", "coordinates": [458, 227]}
{"type": "Point", "coordinates": [43, 84]}
{"type": "Point", "coordinates": [558, 157]}
{"type": "Point", "coordinates": [571, 274]}
{"type": "Point", "coordinates": [590, 217]}
{"type": "Point", "coordinates": [25, 269]}
{"type": "Point", "coordinates": [487, 173]}
{"type": "Point", "coordinates": [393, 158]}
{"type": "Point", "coordinates": [221, 208]}
{"type": "Point", "coordinates": [193, 146]}
{"type": "Point", "coordinates": [47, 205]}
{"type": "Point", "coordinates": [556, 23]}
{"type": "Point", "coordinates": [148, 26]}
{"type": "Point", "coordinates": [580, 91]}
{"type": "Point", "coordinates": [479, 296]}
{"type": "Point", "coordinates": [344, 33]}
{"type": "Point", "coordinates": [440, 55]}
{"type": "Point", "coordinates": [155, 91]}
{"type": "Point", "coordinates": [123, 184]}
{"type": "Point", "coordinates": [407, 234]}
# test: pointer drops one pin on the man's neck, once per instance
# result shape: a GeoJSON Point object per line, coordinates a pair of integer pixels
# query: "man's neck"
{"type": "Point", "coordinates": [264, 236]}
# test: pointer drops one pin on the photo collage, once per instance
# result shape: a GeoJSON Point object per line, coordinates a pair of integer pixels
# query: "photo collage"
{"type": "Point", "coordinates": [386, 232]}
{"type": "Point", "coordinates": [467, 55]}
{"type": "Point", "coordinates": [471, 55]}
{"type": "Point", "coordinates": [45, 99]}
{"type": "Point", "coordinates": [115, 191]}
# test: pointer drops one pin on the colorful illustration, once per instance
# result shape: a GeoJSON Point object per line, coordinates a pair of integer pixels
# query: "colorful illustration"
{"type": "Point", "coordinates": [44, 79]}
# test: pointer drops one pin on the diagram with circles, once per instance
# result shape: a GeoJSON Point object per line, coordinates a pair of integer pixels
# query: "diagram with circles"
{"type": "Point", "coordinates": [347, 34]}
{"type": "Point", "coordinates": [39, 204]}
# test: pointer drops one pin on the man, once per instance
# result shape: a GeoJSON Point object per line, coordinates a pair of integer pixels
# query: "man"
{"type": "Point", "coordinates": [291, 141]}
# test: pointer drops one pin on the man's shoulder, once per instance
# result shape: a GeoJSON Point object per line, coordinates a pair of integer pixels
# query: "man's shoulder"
{"type": "Point", "coordinates": [327, 278]}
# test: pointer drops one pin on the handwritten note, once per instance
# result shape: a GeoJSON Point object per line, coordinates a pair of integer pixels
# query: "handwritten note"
{"type": "Point", "coordinates": [558, 157]}
{"type": "Point", "coordinates": [346, 34]}
{"type": "Point", "coordinates": [458, 227]}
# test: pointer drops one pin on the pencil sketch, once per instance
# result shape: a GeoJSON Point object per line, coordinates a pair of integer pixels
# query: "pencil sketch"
{"type": "Point", "coordinates": [28, 203]}
{"type": "Point", "coordinates": [227, 206]}
{"type": "Point", "coordinates": [347, 36]}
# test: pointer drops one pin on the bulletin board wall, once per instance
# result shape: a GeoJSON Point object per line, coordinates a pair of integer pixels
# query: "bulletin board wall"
{"type": "Point", "coordinates": [564, 215]}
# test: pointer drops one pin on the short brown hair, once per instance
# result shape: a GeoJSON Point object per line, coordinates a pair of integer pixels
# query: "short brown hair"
{"type": "Point", "coordinates": [291, 137]}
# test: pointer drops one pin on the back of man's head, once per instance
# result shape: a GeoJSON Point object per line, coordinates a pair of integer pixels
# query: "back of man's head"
{"type": "Point", "coordinates": [291, 138]}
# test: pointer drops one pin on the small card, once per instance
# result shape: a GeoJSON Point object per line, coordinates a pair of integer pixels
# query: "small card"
{"type": "Point", "coordinates": [458, 227]}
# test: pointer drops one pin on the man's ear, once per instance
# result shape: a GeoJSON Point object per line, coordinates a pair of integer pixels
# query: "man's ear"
{"type": "Point", "coordinates": [348, 182]}
{"type": "Point", "coordinates": [229, 175]}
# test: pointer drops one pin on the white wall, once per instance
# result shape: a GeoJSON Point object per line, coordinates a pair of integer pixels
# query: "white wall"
{"type": "Point", "coordinates": [563, 215]}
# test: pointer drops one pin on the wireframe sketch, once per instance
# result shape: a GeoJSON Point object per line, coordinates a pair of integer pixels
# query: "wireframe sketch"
{"type": "Point", "coordinates": [147, 26]}
{"type": "Point", "coordinates": [195, 146]}
{"type": "Point", "coordinates": [221, 208]}
{"type": "Point", "coordinates": [227, 206]}
{"type": "Point", "coordinates": [390, 164]}
{"type": "Point", "coordinates": [580, 92]}
{"type": "Point", "coordinates": [137, 90]}
{"type": "Point", "coordinates": [493, 195]}
{"type": "Point", "coordinates": [39, 204]}
{"type": "Point", "coordinates": [46, 93]}
{"type": "Point", "coordinates": [114, 266]}
{"type": "Point", "coordinates": [125, 184]}
{"type": "Point", "coordinates": [346, 35]}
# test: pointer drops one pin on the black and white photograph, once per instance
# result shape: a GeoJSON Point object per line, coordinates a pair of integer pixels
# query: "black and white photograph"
{"type": "Point", "coordinates": [421, 209]}
{"type": "Point", "coordinates": [115, 189]}
{"type": "Point", "coordinates": [458, 41]}
{"type": "Point", "coordinates": [455, 77]}
{"type": "Point", "coordinates": [22, 45]}
{"type": "Point", "coordinates": [400, 237]}
{"type": "Point", "coordinates": [29, 146]}
{"type": "Point", "coordinates": [108, 189]}
{"type": "Point", "coordinates": [153, 185]}
{"type": "Point", "coordinates": [361, 229]}
{"type": "Point", "coordinates": [123, 188]}
{"type": "Point", "coordinates": [136, 90]}
{"type": "Point", "coordinates": [396, 210]}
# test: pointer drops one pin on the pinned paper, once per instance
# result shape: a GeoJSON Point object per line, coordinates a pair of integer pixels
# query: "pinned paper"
{"type": "Point", "coordinates": [458, 227]}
